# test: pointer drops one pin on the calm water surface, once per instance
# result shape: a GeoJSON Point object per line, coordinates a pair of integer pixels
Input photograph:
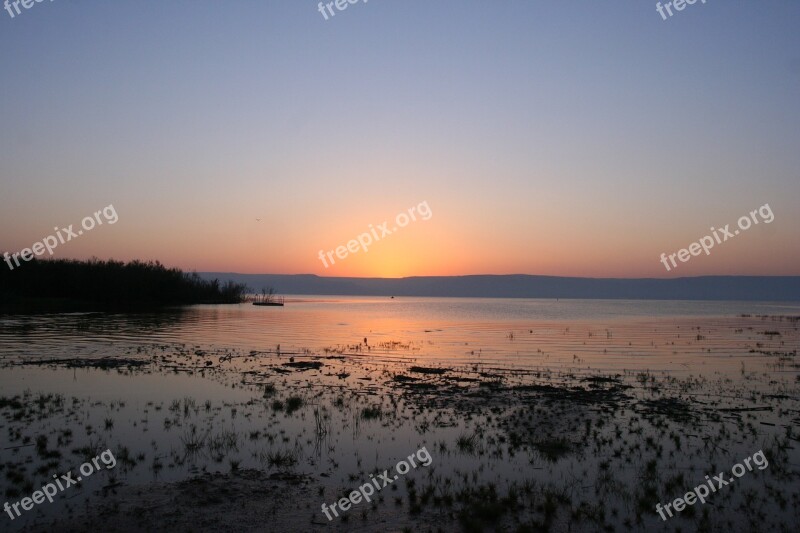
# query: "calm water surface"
{"type": "Point", "coordinates": [220, 372]}
{"type": "Point", "coordinates": [441, 328]}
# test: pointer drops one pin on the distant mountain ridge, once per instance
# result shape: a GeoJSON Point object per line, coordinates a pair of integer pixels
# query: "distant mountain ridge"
{"type": "Point", "coordinates": [752, 288]}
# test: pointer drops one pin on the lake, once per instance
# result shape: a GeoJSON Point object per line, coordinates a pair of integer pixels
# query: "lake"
{"type": "Point", "coordinates": [513, 397]}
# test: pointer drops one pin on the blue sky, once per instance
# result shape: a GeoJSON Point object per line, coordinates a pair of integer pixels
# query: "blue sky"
{"type": "Point", "coordinates": [575, 138]}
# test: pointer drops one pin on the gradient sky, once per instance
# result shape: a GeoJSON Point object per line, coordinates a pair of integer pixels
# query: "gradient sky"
{"type": "Point", "coordinates": [563, 138]}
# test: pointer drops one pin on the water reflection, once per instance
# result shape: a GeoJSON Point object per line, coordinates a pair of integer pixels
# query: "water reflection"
{"type": "Point", "coordinates": [610, 405]}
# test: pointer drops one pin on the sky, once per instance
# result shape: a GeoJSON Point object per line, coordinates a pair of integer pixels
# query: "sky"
{"type": "Point", "coordinates": [574, 138]}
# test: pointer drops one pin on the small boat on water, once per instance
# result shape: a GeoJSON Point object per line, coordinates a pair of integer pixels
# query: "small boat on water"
{"type": "Point", "coordinates": [277, 302]}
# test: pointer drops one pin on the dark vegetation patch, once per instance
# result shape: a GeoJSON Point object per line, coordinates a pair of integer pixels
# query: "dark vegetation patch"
{"type": "Point", "coordinates": [578, 395]}
{"type": "Point", "coordinates": [371, 413]}
{"type": "Point", "coordinates": [598, 380]}
{"type": "Point", "coordinates": [102, 363]}
{"type": "Point", "coordinates": [304, 365]}
{"type": "Point", "coordinates": [673, 408]}
{"type": "Point", "coordinates": [64, 284]}
{"type": "Point", "coordinates": [463, 380]}
{"type": "Point", "coordinates": [13, 403]}
{"type": "Point", "coordinates": [293, 404]}
{"type": "Point", "coordinates": [420, 386]}
{"type": "Point", "coordinates": [428, 370]}
{"type": "Point", "coordinates": [554, 449]}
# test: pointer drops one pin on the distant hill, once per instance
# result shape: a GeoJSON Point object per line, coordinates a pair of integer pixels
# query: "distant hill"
{"type": "Point", "coordinates": [764, 288]}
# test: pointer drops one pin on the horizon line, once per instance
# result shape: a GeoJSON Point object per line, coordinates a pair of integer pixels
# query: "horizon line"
{"type": "Point", "coordinates": [501, 275]}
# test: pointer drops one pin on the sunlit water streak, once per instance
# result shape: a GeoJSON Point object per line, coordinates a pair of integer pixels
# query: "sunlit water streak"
{"type": "Point", "coordinates": [576, 336]}
{"type": "Point", "coordinates": [520, 333]}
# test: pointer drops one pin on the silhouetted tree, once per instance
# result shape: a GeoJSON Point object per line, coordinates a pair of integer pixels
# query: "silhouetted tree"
{"type": "Point", "coordinates": [113, 283]}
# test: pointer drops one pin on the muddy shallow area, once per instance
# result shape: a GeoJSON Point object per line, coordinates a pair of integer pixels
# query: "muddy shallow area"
{"type": "Point", "coordinates": [209, 437]}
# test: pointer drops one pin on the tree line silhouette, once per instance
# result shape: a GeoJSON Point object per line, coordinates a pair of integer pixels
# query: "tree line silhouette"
{"type": "Point", "coordinates": [112, 284]}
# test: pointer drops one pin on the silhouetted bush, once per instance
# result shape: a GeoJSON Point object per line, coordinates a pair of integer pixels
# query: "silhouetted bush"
{"type": "Point", "coordinates": [112, 283]}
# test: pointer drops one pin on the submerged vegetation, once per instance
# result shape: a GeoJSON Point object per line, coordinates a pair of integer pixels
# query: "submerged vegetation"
{"type": "Point", "coordinates": [64, 284]}
{"type": "Point", "coordinates": [540, 448]}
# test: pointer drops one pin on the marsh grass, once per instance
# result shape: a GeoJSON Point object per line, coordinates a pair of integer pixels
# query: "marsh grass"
{"type": "Point", "coordinates": [601, 446]}
{"type": "Point", "coordinates": [322, 422]}
{"type": "Point", "coordinates": [293, 403]}
{"type": "Point", "coordinates": [554, 449]}
{"type": "Point", "coordinates": [223, 442]}
{"type": "Point", "coordinates": [372, 413]}
{"type": "Point", "coordinates": [281, 459]}
{"type": "Point", "coordinates": [468, 443]}
{"type": "Point", "coordinates": [192, 441]}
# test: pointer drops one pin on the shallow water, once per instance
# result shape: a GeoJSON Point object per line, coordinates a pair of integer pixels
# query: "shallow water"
{"type": "Point", "coordinates": [214, 373]}
{"type": "Point", "coordinates": [446, 328]}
